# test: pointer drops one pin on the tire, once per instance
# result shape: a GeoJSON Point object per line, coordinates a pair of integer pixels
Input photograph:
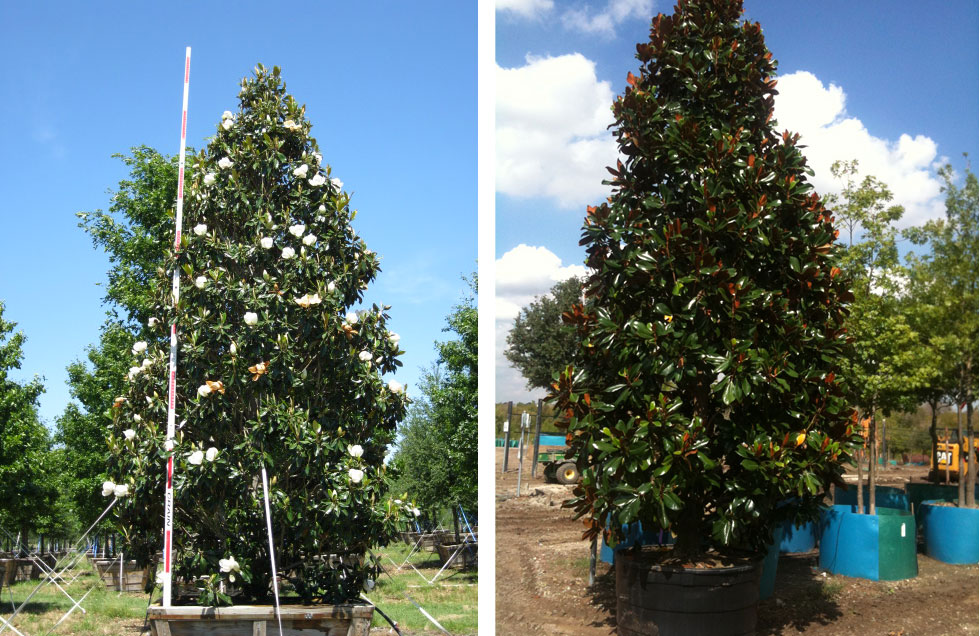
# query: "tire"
{"type": "Point", "coordinates": [567, 473]}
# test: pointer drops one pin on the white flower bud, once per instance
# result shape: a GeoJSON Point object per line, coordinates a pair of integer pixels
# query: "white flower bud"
{"type": "Point", "coordinates": [201, 229]}
{"type": "Point", "coordinates": [266, 242]}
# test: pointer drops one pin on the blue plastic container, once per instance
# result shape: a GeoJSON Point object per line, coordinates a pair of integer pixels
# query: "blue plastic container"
{"type": "Point", "coordinates": [880, 547]}
{"type": "Point", "coordinates": [952, 535]}
{"type": "Point", "coordinates": [635, 536]}
{"type": "Point", "coordinates": [767, 582]}
{"type": "Point", "coordinates": [885, 497]}
{"type": "Point", "coordinates": [797, 539]}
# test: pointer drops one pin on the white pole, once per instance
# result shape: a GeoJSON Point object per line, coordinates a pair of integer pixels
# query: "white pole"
{"type": "Point", "coordinates": [272, 550]}
{"type": "Point", "coordinates": [168, 507]}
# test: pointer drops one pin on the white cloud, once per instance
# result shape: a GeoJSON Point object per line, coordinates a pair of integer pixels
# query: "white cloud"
{"type": "Point", "coordinates": [523, 273]}
{"type": "Point", "coordinates": [551, 130]}
{"type": "Point", "coordinates": [605, 21]}
{"type": "Point", "coordinates": [527, 9]}
{"type": "Point", "coordinates": [819, 114]}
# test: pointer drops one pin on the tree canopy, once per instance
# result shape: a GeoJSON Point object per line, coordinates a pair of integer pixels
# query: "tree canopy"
{"type": "Point", "coordinates": [540, 343]}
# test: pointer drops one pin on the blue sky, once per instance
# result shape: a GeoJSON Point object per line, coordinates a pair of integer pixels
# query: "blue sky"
{"type": "Point", "coordinates": [893, 85]}
{"type": "Point", "coordinates": [391, 89]}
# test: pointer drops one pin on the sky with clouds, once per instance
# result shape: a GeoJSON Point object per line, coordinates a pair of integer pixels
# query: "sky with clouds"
{"type": "Point", "coordinates": [391, 90]}
{"type": "Point", "coordinates": [893, 85]}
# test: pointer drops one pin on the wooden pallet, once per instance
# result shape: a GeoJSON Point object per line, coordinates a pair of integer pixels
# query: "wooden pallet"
{"type": "Point", "coordinates": [260, 620]}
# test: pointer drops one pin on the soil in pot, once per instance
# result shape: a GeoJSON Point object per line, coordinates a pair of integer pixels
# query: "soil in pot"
{"type": "Point", "coordinates": [658, 595]}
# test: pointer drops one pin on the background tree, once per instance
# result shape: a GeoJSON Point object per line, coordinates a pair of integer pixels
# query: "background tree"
{"type": "Point", "coordinates": [886, 366]}
{"type": "Point", "coordinates": [28, 486]}
{"type": "Point", "coordinates": [275, 371]}
{"type": "Point", "coordinates": [947, 275]}
{"type": "Point", "coordinates": [139, 221]}
{"type": "Point", "coordinates": [713, 324]}
{"type": "Point", "coordinates": [540, 342]}
{"type": "Point", "coordinates": [437, 456]}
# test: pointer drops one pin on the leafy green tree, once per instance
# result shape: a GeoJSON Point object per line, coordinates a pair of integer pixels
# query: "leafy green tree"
{"type": "Point", "coordinates": [886, 366]}
{"type": "Point", "coordinates": [437, 456]}
{"type": "Point", "coordinates": [275, 370]}
{"type": "Point", "coordinates": [714, 321]}
{"type": "Point", "coordinates": [946, 275]}
{"type": "Point", "coordinates": [540, 342]}
{"type": "Point", "coordinates": [27, 476]}
{"type": "Point", "coordinates": [139, 221]}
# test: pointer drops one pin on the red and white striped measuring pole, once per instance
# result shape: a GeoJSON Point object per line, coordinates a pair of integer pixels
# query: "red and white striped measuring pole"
{"type": "Point", "coordinates": [168, 506]}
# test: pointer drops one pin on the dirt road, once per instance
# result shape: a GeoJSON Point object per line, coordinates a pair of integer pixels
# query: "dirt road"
{"type": "Point", "coordinates": [542, 574]}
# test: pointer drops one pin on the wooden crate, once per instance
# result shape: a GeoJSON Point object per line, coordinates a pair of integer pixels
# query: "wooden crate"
{"type": "Point", "coordinates": [260, 620]}
{"type": "Point", "coordinates": [465, 558]}
{"type": "Point", "coordinates": [134, 578]}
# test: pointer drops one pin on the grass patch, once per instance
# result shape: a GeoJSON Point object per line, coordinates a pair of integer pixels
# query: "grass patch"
{"type": "Point", "coordinates": [107, 613]}
{"type": "Point", "coordinates": [451, 600]}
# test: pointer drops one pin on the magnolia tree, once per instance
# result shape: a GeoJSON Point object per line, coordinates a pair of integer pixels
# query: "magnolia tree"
{"type": "Point", "coordinates": [274, 370]}
{"type": "Point", "coordinates": [713, 321]}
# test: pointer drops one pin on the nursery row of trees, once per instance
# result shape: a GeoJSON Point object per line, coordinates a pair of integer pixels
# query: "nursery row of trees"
{"type": "Point", "coordinates": [913, 320]}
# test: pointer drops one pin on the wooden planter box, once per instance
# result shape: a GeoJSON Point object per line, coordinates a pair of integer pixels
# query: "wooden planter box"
{"type": "Point", "coordinates": [17, 570]}
{"type": "Point", "coordinates": [134, 578]}
{"type": "Point", "coordinates": [465, 558]}
{"type": "Point", "coordinates": [260, 620]}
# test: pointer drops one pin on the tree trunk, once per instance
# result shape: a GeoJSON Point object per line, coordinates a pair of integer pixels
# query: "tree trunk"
{"type": "Point", "coordinates": [971, 458]}
{"type": "Point", "coordinates": [456, 525]}
{"type": "Point", "coordinates": [960, 481]}
{"type": "Point", "coordinates": [873, 466]}
{"type": "Point", "coordinates": [860, 485]}
{"type": "Point", "coordinates": [934, 436]}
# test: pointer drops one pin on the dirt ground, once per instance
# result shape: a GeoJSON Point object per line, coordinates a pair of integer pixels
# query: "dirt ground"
{"type": "Point", "coordinates": [542, 575]}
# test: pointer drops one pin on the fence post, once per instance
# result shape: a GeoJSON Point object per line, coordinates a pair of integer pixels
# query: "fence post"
{"type": "Point", "coordinates": [510, 411]}
{"type": "Point", "coordinates": [537, 441]}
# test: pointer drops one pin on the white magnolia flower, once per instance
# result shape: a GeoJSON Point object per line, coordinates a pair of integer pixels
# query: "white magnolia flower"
{"type": "Point", "coordinates": [288, 253]}
{"type": "Point", "coordinates": [398, 502]}
{"type": "Point", "coordinates": [146, 362]}
{"type": "Point", "coordinates": [129, 434]}
{"type": "Point", "coordinates": [211, 454]}
{"type": "Point", "coordinates": [266, 242]}
{"type": "Point", "coordinates": [365, 356]}
{"type": "Point", "coordinates": [337, 184]}
{"type": "Point", "coordinates": [355, 450]}
{"type": "Point", "coordinates": [226, 115]}
{"type": "Point", "coordinates": [308, 300]}
{"type": "Point", "coordinates": [331, 287]}
{"type": "Point", "coordinates": [204, 390]}
{"type": "Point", "coordinates": [133, 372]}
{"type": "Point", "coordinates": [233, 349]}
{"type": "Point", "coordinates": [152, 322]}
{"type": "Point", "coordinates": [289, 124]}
{"type": "Point", "coordinates": [393, 337]}
{"type": "Point", "coordinates": [309, 239]}
{"type": "Point", "coordinates": [196, 458]}
{"type": "Point", "coordinates": [137, 418]}
{"type": "Point", "coordinates": [356, 475]}
{"type": "Point", "coordinates": [251, 318]}
{"type": "Point", "coordinates": [301, 171]}
{"type": "Point", "coordinates": [351, 318]}
{"type": "Point", "coordinates": [297, 230]}
{"type": "Point", "coordinates": [318, 157]}
{"type": "Point", "coordinates": [395, 387]}
{"type": "Point", "coordinates": [229, 565]}
{"type": "Point", "coordinates": [227, 124]}
{"type": "Point", "coordinates": [201, 229]}
{"type": "Point", "coordinates": [225, 163]}
{"type": "Point", "coordinates": [139, 347]}
{"type": "Point", "coordinates": [322, 209]}
{"type": "Point", "coordinates": [121, 490]}
{"type": "Point", "coordinates": [317, 180]}
{"type": "Point", "coordinates": [209, 178]}
{"type": "Point", "coordinates": [416, 511]}
{"type": "Point", "coordinates": [108, 488]}
{"type": "Point", "coordinates": [200, 282]}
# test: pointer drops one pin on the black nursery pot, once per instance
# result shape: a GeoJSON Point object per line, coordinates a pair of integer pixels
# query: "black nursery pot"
{"type": "Point", "coordinates": [654, 600]}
